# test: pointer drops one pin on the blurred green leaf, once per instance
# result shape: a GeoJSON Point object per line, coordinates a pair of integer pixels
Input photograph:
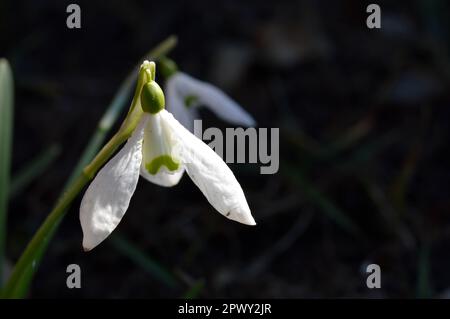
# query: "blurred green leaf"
{"type": "Point", "coordinates": [18, 284]}
{"type": "Point", "coordinates": [145, 261]}
{"type": "Point", "coordinates": [6, 133]}
{"type": "Point", "coordinates": [351, 136]}
{"type": "Point", "coordinates": [367, 151]}
{"type": "Point", "coordinates": [33, 169]}
{"type": "Point", "coordinates": [195, 290]}
{"type": "Point", "coordinates": [423, 273]}
{"type": "Point", "coordinates": [401, 182]}
{"type": "Point", "coordinates": [320, 200]}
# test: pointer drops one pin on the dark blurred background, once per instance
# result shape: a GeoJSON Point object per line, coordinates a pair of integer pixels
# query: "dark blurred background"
{"type": "Point", "coordinates": [363, 117]}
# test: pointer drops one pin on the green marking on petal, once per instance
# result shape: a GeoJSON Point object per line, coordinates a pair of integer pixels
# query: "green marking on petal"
{"type": "Point", "coordinates": [190, 100]}
{"type": "Point", "coordinates": [163, 160]}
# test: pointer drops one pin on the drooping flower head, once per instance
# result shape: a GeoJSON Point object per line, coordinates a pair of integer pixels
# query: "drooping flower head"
{"type": "Point", "coordinates": [159, 149]}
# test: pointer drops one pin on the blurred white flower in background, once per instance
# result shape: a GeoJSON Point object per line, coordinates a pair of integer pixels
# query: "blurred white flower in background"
{"type": "Point", "coordinates": [186, 94]}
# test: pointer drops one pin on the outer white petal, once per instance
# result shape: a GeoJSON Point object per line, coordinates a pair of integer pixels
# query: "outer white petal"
{"type": "Point", "coordinates": [176, 105]}
{"type": "Point", "coordinates": [212, 97]}
{"type": "Point", "coordinates": [209, 172]}
{"type": "Point", "coordinates": [108, 196]}
{"type": "Point", "coordinates": [158, 142]}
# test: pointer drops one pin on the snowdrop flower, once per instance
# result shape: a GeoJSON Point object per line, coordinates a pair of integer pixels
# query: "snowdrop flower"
{"type": "Point", "coordinates": [185, 94]}
{"type": "Point", "coordinates": [159, 150]}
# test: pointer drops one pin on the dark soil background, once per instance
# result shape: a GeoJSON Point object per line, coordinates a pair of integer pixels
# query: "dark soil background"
{"type": "Point", "coordinates": [363, 117]}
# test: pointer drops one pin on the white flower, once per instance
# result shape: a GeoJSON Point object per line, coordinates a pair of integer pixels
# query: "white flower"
{"type": "Point", "coordinates": [182, 88]}
{"type": "Point", "coordinates": [160, 149]}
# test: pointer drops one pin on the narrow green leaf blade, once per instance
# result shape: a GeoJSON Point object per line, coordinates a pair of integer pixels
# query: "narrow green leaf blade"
{"type": "Point", "coordinates": [144, 261]}
{"type": "Point", "coordinates": [424, 289]}
{"type": "Point", "coordinates": [6, 132]}
{"type": "Point", "coordinates": [321, 201]}
{"type": "Point", "coordinates": [33, 169]}
{"type": "Point", "coordinates": [195, 290]}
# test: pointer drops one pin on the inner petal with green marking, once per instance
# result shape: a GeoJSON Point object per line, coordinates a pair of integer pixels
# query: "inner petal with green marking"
{"type": "Point", "coordinates": [158, 146]}
{"type": "Point", "coordinates": [163, 160]}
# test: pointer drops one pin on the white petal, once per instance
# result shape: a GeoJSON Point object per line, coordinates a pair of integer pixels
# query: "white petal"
{"type": "Point", "coordinates": [157, 148]}
{"type": "Point", "coordinates": [209, 172]}
{"type": "Point", "coordinates": [108, 196]}
{"type": "Point", "coordinates": [212, 97]}
{"type": "Point", "coordinates": [175, 104]}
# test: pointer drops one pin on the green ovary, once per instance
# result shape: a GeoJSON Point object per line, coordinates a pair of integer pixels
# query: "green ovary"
{"type": "Point", "coordinates": [163, 160]}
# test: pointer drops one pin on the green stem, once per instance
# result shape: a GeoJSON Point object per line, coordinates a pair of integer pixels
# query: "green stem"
{"type": "Point", "coordinates": [27, 264]}
{"type": "Point", "coordinates": [106, 152]}
{"type": "Point", "coordinates": [44, 233]}
{"type": "Point", "coordinates": [46, 230]}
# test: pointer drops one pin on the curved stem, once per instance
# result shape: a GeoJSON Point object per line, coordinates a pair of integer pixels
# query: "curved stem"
{"type": "Point", "coordinates": [45, 232]}
{"type": "Point", "coordinates": [35, 249]}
